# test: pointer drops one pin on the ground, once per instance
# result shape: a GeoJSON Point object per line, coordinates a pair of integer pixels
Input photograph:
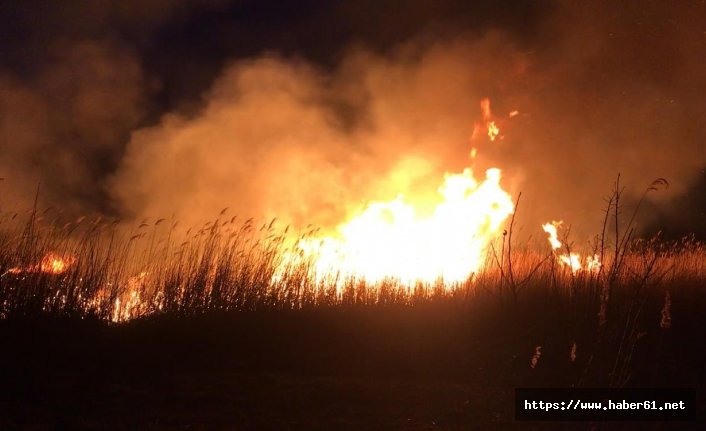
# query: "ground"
{"type": "Point", "coordinates": [369, 368]}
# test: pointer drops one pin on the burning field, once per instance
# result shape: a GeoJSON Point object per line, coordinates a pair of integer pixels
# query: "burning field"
{"type": "Point", "coordinates": [395, 228]}
{"type": "Point", "coordinates": [409, 283]}
{"type": "Point", "coordinates": [402, 250]}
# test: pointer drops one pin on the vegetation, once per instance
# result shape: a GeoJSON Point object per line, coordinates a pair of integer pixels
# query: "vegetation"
{"type": "Point", "coordinates": [525, 320]}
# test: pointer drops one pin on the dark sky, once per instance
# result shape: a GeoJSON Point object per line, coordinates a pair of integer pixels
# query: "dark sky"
{"type": "Point", "coordinates": [79, 78]}
{"type": "Point", "coordinates": [183, 44]}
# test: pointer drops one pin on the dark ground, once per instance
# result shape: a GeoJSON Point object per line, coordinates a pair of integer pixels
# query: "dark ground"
{"type": "Point", "coordinates": [436, 367]}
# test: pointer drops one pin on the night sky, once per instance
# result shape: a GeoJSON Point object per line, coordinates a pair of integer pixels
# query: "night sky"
{"type": "Point", "coordinates": [183, 45]}
{"type": "Point", "coordinates": [91, 93]}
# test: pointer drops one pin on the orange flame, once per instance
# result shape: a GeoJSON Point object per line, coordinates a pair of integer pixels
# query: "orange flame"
{"type": "Point", "coordinates": [488, 125]}
{"type": "Point", "coordinates": [572, 260]}
{"type": "Point", "coordinates": [51, 263]}
{"type": "Point", "coordinates": [397, 239]}
{"type": "Point", "coordinates": [129, 304]}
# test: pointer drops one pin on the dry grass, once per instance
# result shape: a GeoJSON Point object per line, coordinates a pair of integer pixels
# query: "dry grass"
{"type": "Point", "coordinates": [117, 275]}
{"type": "Point", "coordinates": [230, 266]}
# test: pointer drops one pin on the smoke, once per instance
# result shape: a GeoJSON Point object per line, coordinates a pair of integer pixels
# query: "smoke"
{"type": "Point", "coordinates": [60, 127]}
{"type": "Point", "coordinates": [601, 89]}
{"type": "Point", "coordinates": [279, 137]}
{"type": "Point", "coordinates": [613, 90]}
{"type": "Point", "coordinates": [72, 88]}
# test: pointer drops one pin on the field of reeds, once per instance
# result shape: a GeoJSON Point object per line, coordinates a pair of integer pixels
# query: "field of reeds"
{"type": "Point", "coordinates": [212, 328]}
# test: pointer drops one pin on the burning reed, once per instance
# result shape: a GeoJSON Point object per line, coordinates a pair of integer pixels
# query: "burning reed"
{"type": "Point", "coordinates": [93, 269]}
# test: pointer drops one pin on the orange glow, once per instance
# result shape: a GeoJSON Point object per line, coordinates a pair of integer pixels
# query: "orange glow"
{"type": "Point", "coordinates": [485, 110]}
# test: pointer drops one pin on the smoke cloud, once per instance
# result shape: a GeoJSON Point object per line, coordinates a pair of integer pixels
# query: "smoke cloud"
{"type": "Point", "coordinates": [60, 128]}
{"type": "Point", "coordinates": [600, 89]}
{"type": "Point", "coordinates": [280, 138]}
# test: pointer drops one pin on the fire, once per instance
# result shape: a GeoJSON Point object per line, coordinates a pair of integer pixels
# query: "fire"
{"type": "Point", "coordinates": [403, 241]}
{"type": "Point", "coordinates": [488, 126]}
{"type": "Point", "coordinates": [550, 228]}
{"type": "Point", "coordinates": [51, 263]}
{"type": "Point", "coordinates": [391, 240]}
{"type": "Point", "coordinates": [572, 260]}
{"type": "Point", "coordinates": [493, 130]}
{"type": "Point", "coordinates": [129, 304]}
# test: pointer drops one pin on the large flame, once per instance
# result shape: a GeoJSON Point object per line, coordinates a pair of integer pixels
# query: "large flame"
{"type": "Point", "coordinates": [391, 239]}
{"type": "Point", "coordinates": [397, 239]}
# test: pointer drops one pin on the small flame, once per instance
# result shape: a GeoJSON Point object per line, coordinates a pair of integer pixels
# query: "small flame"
{"type": "Point", "coordinates": [129, 304]}
{"type": "Point", "coordinates": [551, 229]}
{"type": "Point", "coordinates": [593, 263]}
{"type": "Point", "coordinates": [51, 263]}
{"type": "Point", "coordinates": [488, 126]}
{"type": "Point", "coordinates": [493, 130]}
{"type": "Point", "coordinates": [572, 260]}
